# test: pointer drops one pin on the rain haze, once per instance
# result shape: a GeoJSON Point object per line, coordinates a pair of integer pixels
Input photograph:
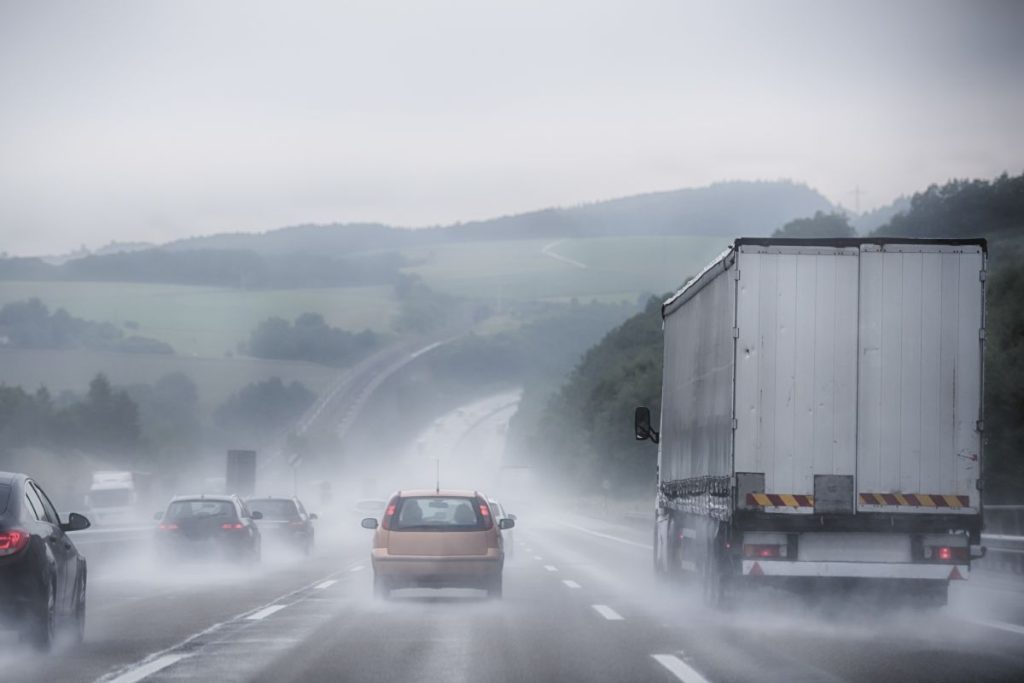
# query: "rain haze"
{"type": "Point", "coordinates": [128, 121]}
{"type": "Point", "coordinates": [511, 341]}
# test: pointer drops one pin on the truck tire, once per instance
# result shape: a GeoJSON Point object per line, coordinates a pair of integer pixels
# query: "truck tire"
{"type": "Point", "coordinates": [713, 580]}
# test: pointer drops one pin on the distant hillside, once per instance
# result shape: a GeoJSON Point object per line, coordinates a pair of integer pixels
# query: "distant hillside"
{"type": "Point", "coordinates": [724, 209]}
{"type": "Point", "coordinates": [869, 221]}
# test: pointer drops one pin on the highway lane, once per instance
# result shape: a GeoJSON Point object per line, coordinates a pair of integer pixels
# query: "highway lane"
{"type": "Point", "coordinates": [580, 605]}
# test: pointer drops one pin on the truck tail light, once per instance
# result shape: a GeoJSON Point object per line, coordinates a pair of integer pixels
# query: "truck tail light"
{"type": "Point", "coordinates": [12, 541]}
{"type": "Point", "coordinates": [945, 553]}
{"type": "Point", "coordinates": [168, 526]}
{"type": "Point", "coordinates": [764, 551]}
{"type": "Point", "coordinates": [232, 525]}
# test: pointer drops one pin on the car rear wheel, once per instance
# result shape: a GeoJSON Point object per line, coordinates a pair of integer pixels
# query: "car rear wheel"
{"type": "Point", "coordinates": [494, 587]}
{"type": "Point", "coordinates": [381, 589]}
{"type": "Point", "coordinates": [42, 625]}
{"type": "Point", "coordinates": [79, 624]}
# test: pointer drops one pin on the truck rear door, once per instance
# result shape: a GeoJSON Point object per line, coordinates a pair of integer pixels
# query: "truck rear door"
{"type": "Point", "coordinates": [919, 378]}
{"type": "Point", "coordinates": [796, 371]}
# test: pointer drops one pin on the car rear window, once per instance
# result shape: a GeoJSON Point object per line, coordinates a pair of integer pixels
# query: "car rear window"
{"type": "Point", "coordinates": [5, 497]}
{"type": "Point", "coordinates": [184, 509]}
{"type": "Point", "coordinates": [437, 513]}
{"type": "Point", "coordinates": [274, 509]}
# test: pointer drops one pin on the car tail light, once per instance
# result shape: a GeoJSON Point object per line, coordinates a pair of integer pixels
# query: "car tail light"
{"type": "Point", "coordinates": [485, 512]}
{"type": "Point", "coordinates": [168, 526]}
{"type": "Point", "coordinates": [12, 541]}
{"type": "Point", "coordinates": [389, 513]}
{"type": "Point", "coordinates": [232, 525]}
{"type": "Point", "coordinates": [763, 551]}
{"type": "Point", "coordinates": [945, 553]}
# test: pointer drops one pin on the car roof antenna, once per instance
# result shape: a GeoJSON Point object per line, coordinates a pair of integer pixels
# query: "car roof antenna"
{"type": "Point", "coordinates": [437, 476]}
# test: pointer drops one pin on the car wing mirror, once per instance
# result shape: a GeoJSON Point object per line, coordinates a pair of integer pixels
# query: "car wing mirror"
{"type": "Point", "coordinates": [642, 425]}
{"type": "Point", "coordinates": [369, 523]}
{"type": "Point", "coordinates": [513, 517]}
{"type": "Point", "coordinates": [76, 522]}
{"type": "Point", "coordinates": [313, 515]}
{"type": "Point", "coordinates": [256, 514]}
{"type": "Point", "coordinates": [506, 523]}
{"type": "Point", "coordinates": [158, 516]}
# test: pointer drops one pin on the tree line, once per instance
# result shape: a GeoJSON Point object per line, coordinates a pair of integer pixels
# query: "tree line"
{"type": "Point", "coordinates": [31, 325]}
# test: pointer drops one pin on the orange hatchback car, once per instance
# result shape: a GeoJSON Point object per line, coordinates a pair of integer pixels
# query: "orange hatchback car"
{"type": "Point", "coordinates": [437, 539]}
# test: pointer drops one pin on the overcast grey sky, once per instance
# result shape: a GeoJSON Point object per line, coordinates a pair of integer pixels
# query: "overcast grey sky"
{"type": "Point", "coordinates": [150, 121]}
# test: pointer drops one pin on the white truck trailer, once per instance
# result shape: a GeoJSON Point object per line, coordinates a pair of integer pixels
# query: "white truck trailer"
{"type": "Point", "coordinates": [821, 416]}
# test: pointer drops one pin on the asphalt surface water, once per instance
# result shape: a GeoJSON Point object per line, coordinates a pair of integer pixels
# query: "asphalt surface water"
{"type": "Point", "coordinates": [580, 604]}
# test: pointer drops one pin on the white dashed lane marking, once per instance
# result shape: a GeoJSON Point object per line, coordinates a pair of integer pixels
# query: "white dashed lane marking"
{"type": "Point", "coordinates": [607, 612]}
{"type": "Point", "coordinates": [679, 669]}
{"type": "Point", "coordinates": [571, 584]}
{"type": "Point", "coordinates": [551, 567]}
{"type": "Point", "coordinates": [265, 612]}
{"type": "Point", "coordinates": [325, 584]}
{"type": "Point", "coordinates": [149, 669]}
{"type": "Point", "coordinates": [357, 568]}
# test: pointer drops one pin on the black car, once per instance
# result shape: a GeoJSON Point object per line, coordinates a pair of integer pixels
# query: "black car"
{"type": "Point", "coordinates": [285, 519]}
{"type": "Point", "coordinates": [42, 574]}
{"type": "Point", "coordinates": [208, 527]}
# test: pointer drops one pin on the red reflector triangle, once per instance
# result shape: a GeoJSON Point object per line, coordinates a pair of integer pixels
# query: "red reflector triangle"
{"type": "Point", "coordinates": [954, 575]}
{"type": "Point", "coordinates": [756, 570]}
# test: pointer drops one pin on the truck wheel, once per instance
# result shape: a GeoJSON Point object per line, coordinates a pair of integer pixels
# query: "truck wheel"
{"type": "Point", "coordinates": [714, 583]}
{"type": "Point", "coordinates": [932, 594]}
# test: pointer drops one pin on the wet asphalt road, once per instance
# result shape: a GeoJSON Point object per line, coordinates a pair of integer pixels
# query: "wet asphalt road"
{"type": "Point", "coordinates": [580, 604]}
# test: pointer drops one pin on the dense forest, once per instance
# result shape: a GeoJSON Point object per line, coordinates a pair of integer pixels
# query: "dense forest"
{"type": "Point", "coordinates": [584, 429]}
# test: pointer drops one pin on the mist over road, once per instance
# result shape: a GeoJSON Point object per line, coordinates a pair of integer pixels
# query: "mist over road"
{"type": "Point", "coordinates": [580, 604]}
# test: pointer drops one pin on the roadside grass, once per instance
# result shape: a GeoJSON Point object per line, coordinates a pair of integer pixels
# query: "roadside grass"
{"type": "Point", "coordinates": [206, 321]}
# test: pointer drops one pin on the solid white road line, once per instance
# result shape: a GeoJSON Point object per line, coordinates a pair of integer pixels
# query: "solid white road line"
{"type": "Point", "coordinates": [325, 584]}
{"type": "Point", "coordinates": [571, 584]}
{"type": "Point", "coordinates": [607, 612]}
{"type": "Point", "coordinates": [551, 567]}
{"type": "Point", "coordinates": [608, 536]}
{"type": "Point", "coordinates": [1001, 625]}
{"type": "Point", "coordinates": [148, 669]}
{"type": "Point", "coordinates": [679, 669]}
{"type": "Point", "coordinates": [265, 612]}
{"type": "Point", "coordinates": [537, 557]}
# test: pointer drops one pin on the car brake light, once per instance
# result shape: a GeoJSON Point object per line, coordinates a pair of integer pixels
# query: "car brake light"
{"type": "Point", "coordinates": [385, 521]}
{"type": "Point", "coordinates": [763, 551]}
{"type": "Point", "coordinates": [171, 526]}
{"type": "Point", "coordinates": [485, 512]}
{"type": "Point", "coordinates": [12, 541]}
{"type": "Point", "coordinates": [229, 525]}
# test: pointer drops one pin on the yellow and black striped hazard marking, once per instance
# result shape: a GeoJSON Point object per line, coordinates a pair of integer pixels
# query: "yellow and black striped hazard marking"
{"type": "Point", "coordinates": [780, 500]}
{"type": "Point", "coordinates": [921, 500]}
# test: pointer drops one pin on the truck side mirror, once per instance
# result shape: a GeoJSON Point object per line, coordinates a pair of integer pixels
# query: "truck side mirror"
{"type": "Point", "coordinates": [642, 425]}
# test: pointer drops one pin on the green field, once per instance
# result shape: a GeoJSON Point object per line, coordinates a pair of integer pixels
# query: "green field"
{"type": "Point", "coordinates": [216, 378]}
{"type": "Point", "coordinates": [607, 268]}
{"type": "Point", "coordinates": [205, 321]}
